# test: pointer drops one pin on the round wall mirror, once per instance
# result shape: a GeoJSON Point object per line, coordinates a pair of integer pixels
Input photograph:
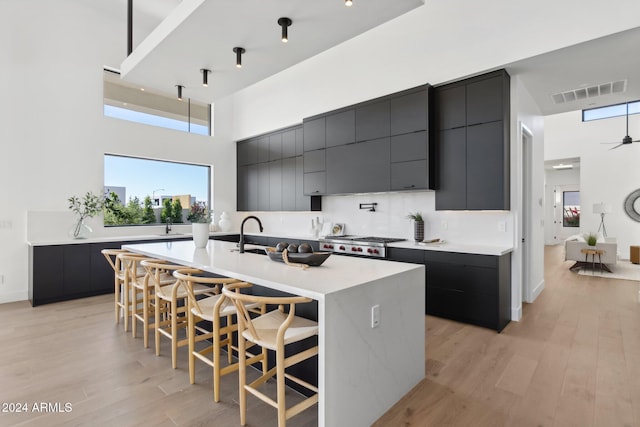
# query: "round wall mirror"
{"type": "Point", "coordinates": [632, 205]}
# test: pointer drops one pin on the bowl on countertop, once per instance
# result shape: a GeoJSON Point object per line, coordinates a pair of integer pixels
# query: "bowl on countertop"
{"type": "Point", "coordinates": [312, 259]}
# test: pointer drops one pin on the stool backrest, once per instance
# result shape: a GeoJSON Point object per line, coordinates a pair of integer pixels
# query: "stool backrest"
{"type": "Point", "coordinates": [155, 268]}
{"type": "Point", "coordinates": [111, 256]}
{"type": "Point", "coordinates": [245, 321]}
{"type": "Point", "coordinates": [187, 277]}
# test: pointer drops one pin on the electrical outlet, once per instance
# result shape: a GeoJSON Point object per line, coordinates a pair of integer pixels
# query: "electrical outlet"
{"type": "Point", "coordinates": [444, 224]}
{"type": "Point", "coordinates": [375, 316]}
{"type": "Point", "coordinates": [502, 226]}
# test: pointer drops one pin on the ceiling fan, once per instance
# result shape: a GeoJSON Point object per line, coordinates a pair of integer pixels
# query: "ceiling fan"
{"type": "Point", "coordinates": [627, 139]}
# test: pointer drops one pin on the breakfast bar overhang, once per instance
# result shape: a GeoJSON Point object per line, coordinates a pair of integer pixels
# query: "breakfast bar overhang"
{"type": "Point", "coordinates": [362, 370]}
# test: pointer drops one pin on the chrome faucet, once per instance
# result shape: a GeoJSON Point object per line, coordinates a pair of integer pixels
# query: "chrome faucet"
{"type": "Point", "coordinates": [241, 242]}
{"type": "Point", "coordinates": [167, 228]}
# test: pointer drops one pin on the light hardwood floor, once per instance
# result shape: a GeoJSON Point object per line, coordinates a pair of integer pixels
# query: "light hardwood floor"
{"type": "Point", "coordinates": [573, 360]}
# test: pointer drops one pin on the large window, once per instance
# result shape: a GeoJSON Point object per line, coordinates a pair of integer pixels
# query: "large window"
{"type": "Point", "coordinates": [143, 105]}
{"type": "Point", "coordinates": [610, 111]}
{"type": "Point", "coordinates": [571, 209]}
{"type": "Point", "coordinates": [143, 191]}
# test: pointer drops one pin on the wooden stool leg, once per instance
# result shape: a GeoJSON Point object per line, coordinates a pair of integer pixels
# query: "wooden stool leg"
{"type": "Point", "coordinates": [159, 302]}
{"type": "Point", "coordinates": [242, 377]}
{"type": "Point", "coordinates": [191, 325]}
{"type": "Point", "coordinates": [117, 285]}
{"type": "Point", "coordinates": [282, 407]}
{"type": "Point", "coordinates": [174, 333]}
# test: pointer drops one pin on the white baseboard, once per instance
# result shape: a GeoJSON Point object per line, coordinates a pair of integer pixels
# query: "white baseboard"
{"type": "Point", "coordinates": [536, 290]}
{"type": "Point", "coordinates": [516, 313]}
{"type": "Point", "coordinates": [13, 296]}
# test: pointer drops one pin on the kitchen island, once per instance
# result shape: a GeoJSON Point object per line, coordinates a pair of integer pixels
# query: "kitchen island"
{"type": "Point", "coordinates": [362, 370]}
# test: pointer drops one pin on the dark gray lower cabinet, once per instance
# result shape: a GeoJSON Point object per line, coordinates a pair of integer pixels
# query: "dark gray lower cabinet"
{"type": "Point", "coordinates": [65, 272]}
{"type": "Point", "coordinates": [469, 288]}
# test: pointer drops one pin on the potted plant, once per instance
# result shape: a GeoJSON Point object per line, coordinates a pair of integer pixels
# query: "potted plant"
{"type": "Point", "coordinates": [418, 225]}
{"type": "Point", "coordinates": [592, 239]}
{"type": "Point", "coordinates": [200, 217]}
{"type": "Point", "coordinates": [87, 207]}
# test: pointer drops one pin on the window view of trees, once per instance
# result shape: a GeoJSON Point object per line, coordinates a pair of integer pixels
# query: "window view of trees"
{"type": "Point", "coordinates": [175, 187]}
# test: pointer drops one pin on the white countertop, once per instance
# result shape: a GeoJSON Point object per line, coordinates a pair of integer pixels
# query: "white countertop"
{"type": "Point", "coordinates": [336, 274]}
{"type": "Point", "coordinates": [454, 247]}
{"type": "Point", "coordinates": [103, 239]}
{"type": "Point", "coordinates": [484, 249]}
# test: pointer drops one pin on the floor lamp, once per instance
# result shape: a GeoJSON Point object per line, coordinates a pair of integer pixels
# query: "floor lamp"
{"type": "Point", "coordinates": [602, 209]}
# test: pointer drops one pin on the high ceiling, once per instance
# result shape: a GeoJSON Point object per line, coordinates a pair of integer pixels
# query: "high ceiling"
{"type": "Point", "coordinates": [596, 62]}
{"type": "Point", "coordinates": [198, 33]}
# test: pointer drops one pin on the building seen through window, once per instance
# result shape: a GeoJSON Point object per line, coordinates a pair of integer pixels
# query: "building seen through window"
{"type": "Point", "coordinates": [142, 191]}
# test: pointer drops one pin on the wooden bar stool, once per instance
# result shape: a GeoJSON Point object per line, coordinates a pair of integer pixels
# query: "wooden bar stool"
{"type": "Point", "coordinates": [111, 256]}
{"type": "Point", "coordinates": [214, 309]}
{"type": "Point", "coordinates": [171, 306]}
{"type": "Point", "coordinates": [133, 271]}
{"type": "Point", "coordinates": [158, 274]}
{"type": "Point", "coordinates": [273, 331]}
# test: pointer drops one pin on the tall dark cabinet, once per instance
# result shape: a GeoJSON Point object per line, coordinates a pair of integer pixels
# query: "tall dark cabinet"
{"type": "Point", "coordinates": [471, 134]}
{"type": "Point", "coordinates": [270, 173]}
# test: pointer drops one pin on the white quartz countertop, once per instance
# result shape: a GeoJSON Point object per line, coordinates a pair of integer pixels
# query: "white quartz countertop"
{"type": "Point", "coordinates": [103, 239]}
{"type": "Point", "coordinates": [477, 249]}
{"type": "Point", "coordinates": [336, 274]}
{"type": "Point", "coordinates": [480, 249]}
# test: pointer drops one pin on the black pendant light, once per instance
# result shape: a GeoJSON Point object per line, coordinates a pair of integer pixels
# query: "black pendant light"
{"type": "Point", "coordinates": [239, 51]}
{"type": "Point", "coordinates": [205, 76]}
{"type": "Point", "coordinates": [285, 23]}
{"type": "Point", "coordinates": [180, 87]}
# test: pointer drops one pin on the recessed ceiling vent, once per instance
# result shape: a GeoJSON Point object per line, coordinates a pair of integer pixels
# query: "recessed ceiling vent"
{"type": "Point", "coordinates": [590, 92]}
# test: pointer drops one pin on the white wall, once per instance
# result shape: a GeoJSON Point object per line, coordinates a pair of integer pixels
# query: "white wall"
{"type": "Point", "coordinates": [53, 131]}
{"type": "Point", "coordinates": [605, 175]}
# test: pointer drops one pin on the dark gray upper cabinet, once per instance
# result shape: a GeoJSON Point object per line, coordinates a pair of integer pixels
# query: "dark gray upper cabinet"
{"type": "Point", "coordinates": [251, 188]}
{"type": "Point", "coordinates": [315, 183]}
{"type": "Point", "coordinates": [275, 146]}
{"type": "Point", "coordinates": [409, 113]}
{"type": "Point", "coordinates": [299, 141]}
{"type": "Point", "coordinates": [485, 166]}
{"type": "Point", "coordinates": [314, 134]}
{"type": "Point", "coordinates": [289, 177]}
{"type": "Point", "coordinates": [450, 106]}
{"type": "Point", "coordinates": [314, 161]}
{"type": "Point", "coordinates": [473, 143]}
{"type": "Point", "coordinates": [341, 128]}
{"type": "Point", "coordinates": [248, 152]}
{"type": "Point", "coordinates": [289, 144]}
{"type": "Point", "coordinates": [302, 202]}
{"type": "Point", "coordinates": [412, 175]}
{"type": "Point", "coordinates": [263, 187]}
{"type": "Point", "coordinates": [410, 146]}
{"type": "Point", "coordinates": [452, 167]}
{"type": "Point", "coordinates": [275, 185]}
{"type": "Point", "coordinates": [372, 120]}
{"type": "Point", "coordinates": [410, 161]}
{"type": "Point", "coordinates": [263, 149]}
{"type": "Point", "coordinates": [359, 168]}
{"type": "Point", "coordinates": [484, 101]}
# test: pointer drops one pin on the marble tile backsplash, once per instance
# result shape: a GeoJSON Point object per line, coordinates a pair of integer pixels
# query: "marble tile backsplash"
{"type": "Point", "coordinates": [389, 219]}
